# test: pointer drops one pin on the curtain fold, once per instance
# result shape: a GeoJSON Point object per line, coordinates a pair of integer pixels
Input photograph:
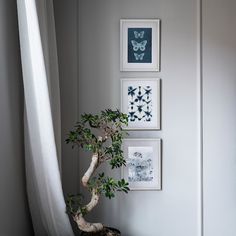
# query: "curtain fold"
{"type": "Point", "coordinates": [42, 112]}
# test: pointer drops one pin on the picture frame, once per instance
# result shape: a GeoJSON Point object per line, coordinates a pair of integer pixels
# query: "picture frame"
{"type": "Point", "coordinates": [143, 164]}
{"type": "Point", "coordinates": [140, 45]}
{"type": "Point", "coordinates": [140, 100]}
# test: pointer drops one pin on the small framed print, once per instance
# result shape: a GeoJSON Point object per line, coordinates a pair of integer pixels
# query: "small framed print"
{"type": "Point", "coordinates": [140, 44]}
{"type": "Point", "coordinates": [140, 100]}
{"type": "Point", "coordinates": [143, 164]}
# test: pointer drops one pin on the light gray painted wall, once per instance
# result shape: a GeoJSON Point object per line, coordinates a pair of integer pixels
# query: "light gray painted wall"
{"type": "Point", "coordinates": [174, 211]}
{"type": "Point", "coordinates": [66, 32]}
{"type": "Point", "coordinates": [219, 93]}
{"type": "Point", "coordinates": [14, 214]}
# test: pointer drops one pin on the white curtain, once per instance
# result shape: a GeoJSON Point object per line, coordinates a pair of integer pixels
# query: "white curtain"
{"type": "Point", "coordinates": [42, 117]}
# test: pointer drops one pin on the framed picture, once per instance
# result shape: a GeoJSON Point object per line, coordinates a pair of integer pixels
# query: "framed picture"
{"type": "Point", "coordinates": [143, 164]}
{"type": "Point", "coordinates": [140, 44]}
{"type": "Point", "coordinates": [140, 100]}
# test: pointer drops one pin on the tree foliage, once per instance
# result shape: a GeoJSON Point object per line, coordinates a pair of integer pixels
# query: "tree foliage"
{"type": "Point", "coordinates": [101, 134]}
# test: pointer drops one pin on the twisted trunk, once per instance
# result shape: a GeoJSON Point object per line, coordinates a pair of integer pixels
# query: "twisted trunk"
{"type": "Point", "coordinates": [78, 218]}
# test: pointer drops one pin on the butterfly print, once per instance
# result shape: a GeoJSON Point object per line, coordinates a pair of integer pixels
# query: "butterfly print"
{"type": "Point", "coordinates": [131, 91]}
{"type": "Point", "coordinates": [139, 46]}
{"type": "Point", "coordinates": [138, 34]}
{"type": "Point", "coordinates": [139, 56]}
{"type": "Point", "coordinates": [139, 103]}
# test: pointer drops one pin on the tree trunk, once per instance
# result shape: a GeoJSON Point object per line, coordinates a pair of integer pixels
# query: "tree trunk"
{"type": "Point", "coordinates": [78, 218]}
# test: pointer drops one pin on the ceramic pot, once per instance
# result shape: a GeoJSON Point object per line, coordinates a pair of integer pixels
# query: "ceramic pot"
{"type": "Point", "coordinates": [108, 231]}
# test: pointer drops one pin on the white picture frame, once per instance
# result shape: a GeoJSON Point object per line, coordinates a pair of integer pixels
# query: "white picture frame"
{"type": "Point", "coordinates": [140, 100]}
{"type": "Point", "coordinates": [140, 45]}
{"type": "Point", "coordinates": [143, 164]}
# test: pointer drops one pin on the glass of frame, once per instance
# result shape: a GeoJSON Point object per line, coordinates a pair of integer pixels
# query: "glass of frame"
{"type": "Point", "coordinates": [140, 44]}
{"type": "Point", "coordinates": [143, 164]}
{"type": "Point", "coordinates": [140, 100]}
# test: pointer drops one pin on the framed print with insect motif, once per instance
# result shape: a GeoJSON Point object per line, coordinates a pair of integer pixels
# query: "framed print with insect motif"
{"type": "Point", "coordinates": [143, 163]}
{"type": "Point", "coordinates": [140, 100]}
{"type": "Point", "coordinates": [140, 45]}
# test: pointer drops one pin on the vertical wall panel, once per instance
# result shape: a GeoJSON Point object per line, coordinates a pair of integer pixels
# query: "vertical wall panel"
{"type": "Point", "coordinates": [219, 113]}
{"type": "Point", "coordinates": [175, 210]}
{"type": "Point", "coordinates": [66, 33]}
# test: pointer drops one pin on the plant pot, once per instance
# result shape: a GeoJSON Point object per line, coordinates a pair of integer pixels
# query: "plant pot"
{"type": "Point", "coordinates": [107, 231]}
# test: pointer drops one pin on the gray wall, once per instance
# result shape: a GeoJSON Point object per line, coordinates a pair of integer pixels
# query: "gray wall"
{"type": "Point", "coordinates": [66, 32]}
{"type": "Point", "coordinates": [219, 93]}
{"type": "Point", "coordinates": [14, 214]}
{"type": "Point", "coordinates": [176, 209]}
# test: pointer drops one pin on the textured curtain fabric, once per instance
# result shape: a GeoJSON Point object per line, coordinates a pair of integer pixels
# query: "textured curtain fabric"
{"type": "Point", "coordinates": [42, 118]}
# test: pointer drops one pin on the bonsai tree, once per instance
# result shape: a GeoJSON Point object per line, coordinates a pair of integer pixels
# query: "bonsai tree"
{"type": "Point", "coordinates": [105, 147]}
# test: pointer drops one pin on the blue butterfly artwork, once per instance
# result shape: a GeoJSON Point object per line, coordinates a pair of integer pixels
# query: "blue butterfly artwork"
{"type": "Point", "coordinates": [139, 45]}
{"type": "Point", "coordinates": [138, 34]}
{"type": "Point", "coordinates": [139, 56]}
{"type": "Point", "coordinates": [139, 103]}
